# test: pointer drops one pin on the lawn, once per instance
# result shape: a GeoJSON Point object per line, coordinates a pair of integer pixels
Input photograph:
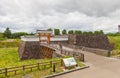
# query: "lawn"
{"type": "Point", "coordinates": [9, 58]}
{"type": "Point", "coordinates": [116, 41]}
{"type": "Point", "coordinates": [9, 43]}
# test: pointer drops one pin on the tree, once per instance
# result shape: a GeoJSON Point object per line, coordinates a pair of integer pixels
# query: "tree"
{"type": "Point", "coordinates": [64, 32]}
{"type": "Point", "coordinates": [96, 32]}
{"type": "Point", "coordinates": [31, 33]}
{"type": "Point", "coordinates": [1, 35]}
{"type": "Point", "coordinates": [90, 32]}
{"type": "Point", "coordinates": [99, 32]}
{"type": "Point", "coordinates": [85, 32]}
{"type": "Point", "coordinates": [19, 34]}
{"type": "Point", "coordinates": [78, 32]}
{"type": "Point", "coordinates": [113, 34]}
{"type": "Point", "coordinates": [70, 32]}
{"type": "Point", "coordinates": [56, 32]}
{"type": "Point", "coordinates": [49, 29]}
{"type": "Point", "coordinates": [7, 33]}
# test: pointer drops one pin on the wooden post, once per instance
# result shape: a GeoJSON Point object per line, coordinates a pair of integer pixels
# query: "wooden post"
{"type": "Point", "coordinates": [31, 69]}
{"type": "Point", "coordinates": [48, 38]}
{"type": "Point", "coordinates": [50, 63]}
{"type": "Point", "coordinates": [6, 71]}
{"type": "Point", "coordinates": [61, 62]}
{"type": "Point", "coordinates": [23, 68]}
{"type": "Point", "coordinates": [83, 58]}
{"type": "Point", "coordinates": [15, 72]}
{"type": "Point", "coordinates": [44, 66]}
{"type": "Point", "coordinates": [54, 68]}
{"type": "Point", "coordinates": [109, 54]}
{"type": "Point", "coordinates": [68, 53]}
{"type": "Point", "coordinates": [65, 52]}
{"type": "Point", "coordinates": [73, 54]}
{"type": "Point", "coordinates": [38, 66]}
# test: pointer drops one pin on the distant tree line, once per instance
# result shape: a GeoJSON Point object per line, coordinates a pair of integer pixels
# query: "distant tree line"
{"type": "Point", "coordinates": [64, 32]}
{"type": "Point", "coordinates": [113, 34]}
{"type": "Point", "coordinates": [7, 34]}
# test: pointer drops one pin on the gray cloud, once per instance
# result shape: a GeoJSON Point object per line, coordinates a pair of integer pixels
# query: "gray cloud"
{"type": "Point", "coordinates": [29, 15]}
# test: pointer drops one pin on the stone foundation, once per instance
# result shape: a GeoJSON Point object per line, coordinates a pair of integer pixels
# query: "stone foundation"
{"type": "Point", "coordinates": [33, 50]}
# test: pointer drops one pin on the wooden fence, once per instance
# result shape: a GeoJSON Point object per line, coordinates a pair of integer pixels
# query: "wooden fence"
{"type": "Point", "coordinates": [23, 68]}
{"type": "Point", "coordinates": [77, 55]}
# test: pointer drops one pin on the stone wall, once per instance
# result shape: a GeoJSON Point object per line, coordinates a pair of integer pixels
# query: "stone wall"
{"type": "Point", "coordinates": [33, 50]}
{"type": "Point", "coordinates": [96, 51]}
{"type": "Point", "coordinates": [91, 41]}
{"type": "Point", "coordinates": [92, 50]}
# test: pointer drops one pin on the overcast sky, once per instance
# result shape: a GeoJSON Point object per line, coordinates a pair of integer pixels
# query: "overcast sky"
{"type": "Point", "coordinates": [86, 15]}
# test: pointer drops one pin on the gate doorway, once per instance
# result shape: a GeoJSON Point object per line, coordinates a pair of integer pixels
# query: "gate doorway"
{"type": "Point", "coordinates": [44, 35]}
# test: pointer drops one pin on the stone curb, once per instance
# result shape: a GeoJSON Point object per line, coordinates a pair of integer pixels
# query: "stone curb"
{"type": "Point", "coordinates": [65, 72]}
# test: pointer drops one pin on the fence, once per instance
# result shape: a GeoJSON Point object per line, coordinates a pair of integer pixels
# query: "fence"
{"type": "Point", "coordinates": [77, 55]}
{"type": "Point", "coordinates": [39, 66]}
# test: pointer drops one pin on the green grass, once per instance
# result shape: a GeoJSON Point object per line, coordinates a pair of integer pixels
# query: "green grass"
{"type": "Point", "coordinates": [116, 41]}
{"type": "Point", "coordinates": [7, 43]}
{"type": "Point", "coordinates": [9, 58]}
{"type": "Point", "coordinates": [38, 73]}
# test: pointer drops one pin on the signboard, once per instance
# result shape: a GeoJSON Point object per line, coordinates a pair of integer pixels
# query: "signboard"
{"type": "Point", "coordinates": [69, 62]}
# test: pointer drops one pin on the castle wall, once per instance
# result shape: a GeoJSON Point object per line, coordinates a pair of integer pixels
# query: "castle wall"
{"type": "Point", "coordinates": [91, 41]}
{"type": "Point", "coordinates": [33, 50]}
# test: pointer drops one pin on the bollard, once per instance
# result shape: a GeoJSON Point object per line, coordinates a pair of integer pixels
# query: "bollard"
{"type": "Point", "coordinates": [109, 54]}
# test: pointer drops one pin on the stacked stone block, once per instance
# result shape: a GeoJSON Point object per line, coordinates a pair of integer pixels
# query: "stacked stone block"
{"type": "Point", "coordinates": [33, 50]}
{"type": "Point", "coordinates": [91, 41]}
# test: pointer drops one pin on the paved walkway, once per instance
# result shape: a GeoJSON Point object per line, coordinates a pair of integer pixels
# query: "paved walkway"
{"type": "Point", "coordinates": [100, 67]}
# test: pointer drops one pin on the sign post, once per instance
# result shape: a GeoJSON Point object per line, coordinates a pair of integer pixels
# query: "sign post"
{"type": "Point", "coordinates": [69, 62]}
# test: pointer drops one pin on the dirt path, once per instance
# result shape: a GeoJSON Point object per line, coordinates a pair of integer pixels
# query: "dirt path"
{"type": "Point", "coordinates": [100, 67]}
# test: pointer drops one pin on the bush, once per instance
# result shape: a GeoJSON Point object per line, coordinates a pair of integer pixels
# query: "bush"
{"type": "Point", "coordinates": [2, 39]}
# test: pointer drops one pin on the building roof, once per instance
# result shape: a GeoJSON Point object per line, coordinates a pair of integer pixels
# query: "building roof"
{"type": "Point", "coordinates": [44, 31]}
